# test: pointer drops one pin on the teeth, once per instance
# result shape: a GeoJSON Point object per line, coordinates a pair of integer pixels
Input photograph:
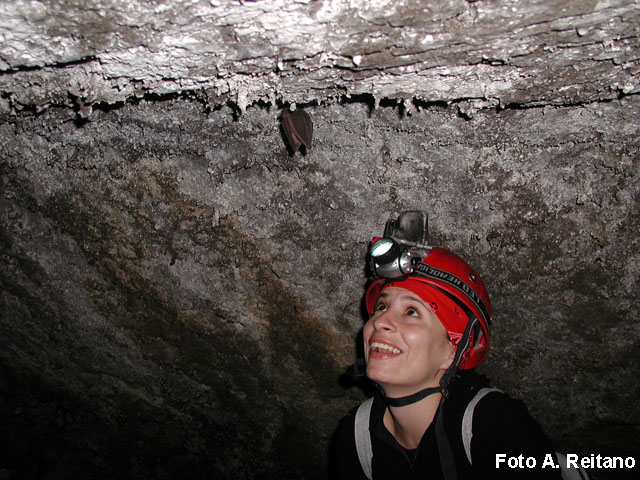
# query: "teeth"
{"type": "Point", "coordinates": [377, 346]}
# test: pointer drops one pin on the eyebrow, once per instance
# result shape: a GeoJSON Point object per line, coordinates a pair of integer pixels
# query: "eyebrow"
{"type": "Point", "coordinates": [406, 297]}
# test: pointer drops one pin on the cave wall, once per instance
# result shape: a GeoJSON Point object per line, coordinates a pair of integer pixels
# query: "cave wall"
{"type": "Point", "coordinates": [181, 293]}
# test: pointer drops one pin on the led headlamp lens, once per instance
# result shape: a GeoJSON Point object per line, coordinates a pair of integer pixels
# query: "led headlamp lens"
{"type": "Point", "coordinates": [389, 260]}
{"type": "Point", "coordinates": [382, 246]}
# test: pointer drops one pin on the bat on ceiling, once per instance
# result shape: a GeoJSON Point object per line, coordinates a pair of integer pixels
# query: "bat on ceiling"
{"type": "Point", "coordinates": [297, 128]}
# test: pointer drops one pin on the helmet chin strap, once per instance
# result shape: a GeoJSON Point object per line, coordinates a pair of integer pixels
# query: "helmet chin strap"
{"type": "Point", "coordinates": [446, 378]}
{"type": "Point", "coordinates": [410, 399]}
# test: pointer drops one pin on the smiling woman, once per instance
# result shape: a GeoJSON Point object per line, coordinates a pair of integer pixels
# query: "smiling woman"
{"type": "Point", "coordinates": [432, 416]}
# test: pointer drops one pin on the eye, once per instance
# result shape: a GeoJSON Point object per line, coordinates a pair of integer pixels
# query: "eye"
{"type": "Point", "coordinates": [412, 312]}
{"type": "Point", "coordinates": [380, 307]}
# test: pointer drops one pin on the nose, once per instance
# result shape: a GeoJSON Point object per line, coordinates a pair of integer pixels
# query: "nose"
{"type": "Point", "coordinates": [384, 321]}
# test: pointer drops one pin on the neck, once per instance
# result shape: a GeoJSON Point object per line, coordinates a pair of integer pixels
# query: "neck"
{"type": "Point", "coordinates": [407, 424]}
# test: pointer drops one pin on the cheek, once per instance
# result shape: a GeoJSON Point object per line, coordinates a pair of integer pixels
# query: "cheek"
{"type": "Point", "coordinates": [418, 333]}
{"type": "Point", "coordinates": [426, 340]}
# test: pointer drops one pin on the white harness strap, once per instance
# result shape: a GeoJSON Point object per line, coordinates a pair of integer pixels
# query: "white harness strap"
{"type": "Point", "coordinates": [467, 419]}
{"type": "Point", "coordinates": [569, 473]}
{"type": "Point", "coordinates": [363, 437]}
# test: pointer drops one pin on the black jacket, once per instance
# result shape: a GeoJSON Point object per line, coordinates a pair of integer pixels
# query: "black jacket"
{"type": "Point", "coordinates": [501, 425]}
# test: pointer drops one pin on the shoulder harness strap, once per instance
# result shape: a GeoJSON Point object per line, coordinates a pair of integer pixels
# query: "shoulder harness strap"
{"type": "Point", "coordinates": [363, 437]}
{"type": "Point", "coordinates": [467, 419]}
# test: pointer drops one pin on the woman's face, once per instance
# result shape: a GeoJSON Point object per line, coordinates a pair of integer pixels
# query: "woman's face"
{"type": "Point", "coordinates": [406, 346]}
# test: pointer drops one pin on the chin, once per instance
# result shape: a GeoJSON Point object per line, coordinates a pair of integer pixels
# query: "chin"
{"type": "Point", "coordinates": [379, 376]}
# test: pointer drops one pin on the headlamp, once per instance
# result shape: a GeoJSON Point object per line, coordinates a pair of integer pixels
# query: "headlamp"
{"type": "Point", "coordinates": [389, 259]}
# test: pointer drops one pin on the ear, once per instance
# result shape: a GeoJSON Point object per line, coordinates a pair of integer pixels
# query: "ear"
{"type": "Point", "coordinates": [451, 354]}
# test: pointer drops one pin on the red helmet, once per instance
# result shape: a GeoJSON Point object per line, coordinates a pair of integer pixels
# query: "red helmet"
{"type": "Point", "coordinates": [453, 289]}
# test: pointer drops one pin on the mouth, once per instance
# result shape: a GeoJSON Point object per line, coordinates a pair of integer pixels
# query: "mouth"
{"type": "Point", "coordinates": [383, 349]}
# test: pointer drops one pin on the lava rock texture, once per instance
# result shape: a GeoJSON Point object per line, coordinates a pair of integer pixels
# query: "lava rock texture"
{"type": "Point", "coordinates": [180, 293]}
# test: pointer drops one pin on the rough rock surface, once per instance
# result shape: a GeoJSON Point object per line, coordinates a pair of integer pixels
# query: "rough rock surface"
{"type": "Point", "coordinates": [488, 53]}
{"type": "Point", "coordinates": [180, 294]}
